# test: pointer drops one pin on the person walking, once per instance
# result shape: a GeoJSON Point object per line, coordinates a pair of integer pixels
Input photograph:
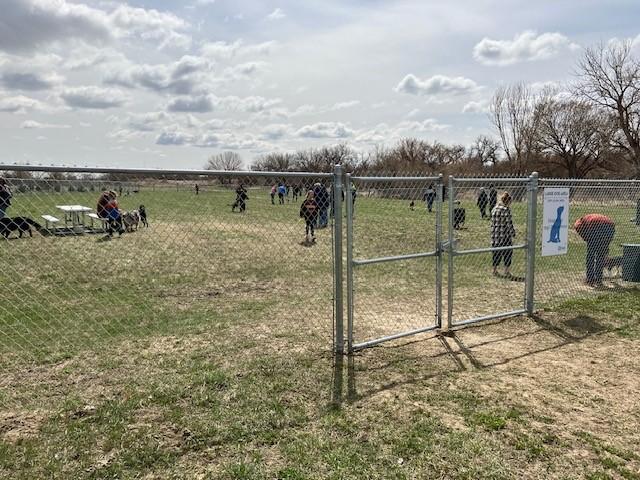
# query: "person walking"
{"type": "Point", "coordinates": [5, 197]}
{"type": "Point", "coordinates": [309, 212]}
{"type": "Point", "coordinates": [322, 200]}
{"type": "Point", "coordinates": [493, 198]}
{"type": "Point", "coordinates": [429, 197]}
{"type": "Point", "coordinates": [597, 231]}
{"type": "Point", "coordinates": [502, 234]}
{"type": "Point", "coordinates": [482, 202]}
{"type": "Point", "coordinates": [241, 199]}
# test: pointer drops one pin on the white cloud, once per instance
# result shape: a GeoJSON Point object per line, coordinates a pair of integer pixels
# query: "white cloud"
{"type": "Point", "coordinates": [325, 130]}
{"type": "Point", "coordinates": [150, 24]}
{"type": "Point", "coordinates": [186, 76]}
{"type": "Point", "coordinates": [344, 105]}
{"type": "Point", "coordinates": [277, 14]}
{"type": "Point", "coordinates": [31, 81]}
{"type": "Point", "coordinates": [18, 104]}
{"type": "Point", "coordinates": [473, 106]}
{"type": "Point", "coordinates": [32, 124]}
{"type": "Point", "coordinates": [275, 131]}
{"type": "Point", "coordinates": [436, 85]}
{"type": "Point", "coordinates": [227, 51]}
{"type": "Point", "coordinates": [201, 104]}
{"type": "Point", "coordinates": [527, 46]}
{"type": "Point", "coordinates": [174, 138]}
{"type": "Point", "coordinates": [93, 97]}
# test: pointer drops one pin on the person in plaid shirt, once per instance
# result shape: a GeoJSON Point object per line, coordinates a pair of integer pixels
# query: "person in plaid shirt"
{"type": "Point", "coordinates": [502, 233]}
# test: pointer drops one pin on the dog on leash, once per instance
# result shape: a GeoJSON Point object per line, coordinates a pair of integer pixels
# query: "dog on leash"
{"type": "Point", "coordinates": [130, 220]}
{"type": "Point", "coordinates": [143, 215]}
{"type": "Point", "coordinates": [613, 263]}
{"type": "Point", "coordinates": [19, 224]}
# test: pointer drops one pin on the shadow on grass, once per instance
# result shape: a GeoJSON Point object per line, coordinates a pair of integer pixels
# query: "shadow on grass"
{"type": "Point", "coordinates": [451, 356]}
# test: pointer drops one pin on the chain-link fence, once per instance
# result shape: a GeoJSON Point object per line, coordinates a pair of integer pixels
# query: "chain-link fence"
{"type": "Point", "coordinates": [119, 255]}
{"type": "Point", "coordinates": [95, 255]}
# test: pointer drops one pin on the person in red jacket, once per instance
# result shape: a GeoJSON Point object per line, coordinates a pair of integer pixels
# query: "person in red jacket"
{"type": "Point", "coordinates": [597, 231]}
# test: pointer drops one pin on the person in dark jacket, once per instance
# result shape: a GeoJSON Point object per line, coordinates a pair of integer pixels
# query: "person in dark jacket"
{"type": "Point", "coordinates": [493, 198]}
{"type": "Point", "coordinates": [322, 200]}
{"type": "Point", "coordinates": [597, 231]}
{"type": "Point", "coordinates": [241, 199]}
{"type": "Point", "coordinates": [309, 212]}
{"type": "Point", "coordinates": [482, 202]}
{"type": "Point", "coordinates": [5, 197]}
{"type": "Point", "coordinates": [429, 197]}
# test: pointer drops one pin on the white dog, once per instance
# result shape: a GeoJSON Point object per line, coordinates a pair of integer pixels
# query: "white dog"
{"type": "Point", "coordinates": [130, 220]}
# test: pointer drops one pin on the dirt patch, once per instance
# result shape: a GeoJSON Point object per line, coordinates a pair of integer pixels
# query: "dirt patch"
{"type": "Point", "coordinates": [17, 426]}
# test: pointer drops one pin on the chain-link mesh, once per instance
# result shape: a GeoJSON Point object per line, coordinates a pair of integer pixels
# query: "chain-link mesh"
{"type": "Point", "coordinates": [154, 256]}
{"type": "Point", "coordinates": [603, 233]}
{"type": "Point", "coordinates": [394, 218]}
{"type": "Point", "coordinates": [488, 224]}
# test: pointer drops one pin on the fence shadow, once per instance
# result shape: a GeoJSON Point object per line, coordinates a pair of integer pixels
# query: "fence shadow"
{"type": "Point", "coordinates": [392, 366]}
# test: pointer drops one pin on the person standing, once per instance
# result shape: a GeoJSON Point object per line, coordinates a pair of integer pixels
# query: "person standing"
{"type": "Point", "coordinates": [502, 234]}
{"type": "Point", "coordinates": [597, 231]}
{"type": "Point", "coordinates": [354, 194]}
{"type": "Point", "coordinates": [482, 202]}
{"type": "Point", "coordinates": [322, 200]}
{"type": "Point", "coordinates": [309, 212]}
{"type": "Point", "coordinates": [197, 188]}
{"type": "Point", "coordinates": [5, 197]}
{"type": "Point", "coordinates": [493, 198]}
{"type": "Point", "coordinates": [241, 199]}
{"type": "Point", "coordinates": [282, 191]}
{"type": "Point", "coordinates": [273, 194]}
{"type": "Point", "coordinates": [429, 197]}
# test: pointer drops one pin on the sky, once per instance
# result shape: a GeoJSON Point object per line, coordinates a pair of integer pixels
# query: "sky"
{"type": "Point", "coordinates": [167, 83]}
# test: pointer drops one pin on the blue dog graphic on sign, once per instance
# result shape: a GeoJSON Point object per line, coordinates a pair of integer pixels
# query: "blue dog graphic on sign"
{"type": "Point", "coordinates": [554, 237]}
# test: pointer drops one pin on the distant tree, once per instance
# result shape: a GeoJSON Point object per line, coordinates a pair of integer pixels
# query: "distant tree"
{"type": "Point", "coordinates": [483, 152]}
{"type": "Point", "coordinates": [575, 134]}
{"type": "Point", "coordinates": [228, 160]}
{"type": "Point", "coordinates": [512, 113]}
{"type": "Point", "coordinates": [609, 77]}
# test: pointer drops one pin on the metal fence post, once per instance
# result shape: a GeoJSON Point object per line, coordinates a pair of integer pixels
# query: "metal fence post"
{"type": "Point", "coordinates": [337, 258]}
{"type": "Point", "coordinates": [450, 250]}
{"type": "Point", "coordinates": [349, 208]}
{"type": "Point", "coordinates": [532, 221]}
{"type": "Point", "coordinates": [439, 209]}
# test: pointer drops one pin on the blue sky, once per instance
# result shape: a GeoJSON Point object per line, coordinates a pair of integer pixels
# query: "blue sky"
{"type": "Point", "coordinates": [167, 83]}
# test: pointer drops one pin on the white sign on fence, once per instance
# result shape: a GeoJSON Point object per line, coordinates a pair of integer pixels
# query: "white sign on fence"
{"type": "Point", "coordinates": [555, 221]}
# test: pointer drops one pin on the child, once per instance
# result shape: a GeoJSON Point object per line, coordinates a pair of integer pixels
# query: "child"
{"type": "Point", "coordinates": [309, 211]}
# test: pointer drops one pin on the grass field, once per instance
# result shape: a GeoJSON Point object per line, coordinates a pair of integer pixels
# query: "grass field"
{"type": "Point", "coordinates": [201, 348]}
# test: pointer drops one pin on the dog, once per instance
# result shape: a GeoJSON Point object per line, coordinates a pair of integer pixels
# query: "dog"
{"type": "Point", "coordinates": [611, 263]}
{"type": "Point", "coordinates": [130, 220]}
{"type": "Point", "coordinates": [412, 205]}
{"type": "Point", "coordinates": [143, 215]}
{"type": "Point", "coordinates": [21, 224]}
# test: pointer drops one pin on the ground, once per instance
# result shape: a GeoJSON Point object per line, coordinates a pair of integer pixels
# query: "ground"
{"type": "Point", "coordinates": [201, 348]}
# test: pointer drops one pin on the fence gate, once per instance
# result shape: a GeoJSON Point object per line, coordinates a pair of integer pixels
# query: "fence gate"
{"type": "Point", "coordinates": [474, 291]}
{"type": "Point", "coordinates": [394, 259]}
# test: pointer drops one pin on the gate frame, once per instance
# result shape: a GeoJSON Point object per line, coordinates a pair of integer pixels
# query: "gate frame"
{"type": "Point", "coordinates": [529, 246]}
{"type": "Point", "coordinates": [351, 263]}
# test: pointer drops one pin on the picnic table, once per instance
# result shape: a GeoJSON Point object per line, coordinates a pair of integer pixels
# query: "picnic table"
{"type": "Point", "coordinates": [74, 214]}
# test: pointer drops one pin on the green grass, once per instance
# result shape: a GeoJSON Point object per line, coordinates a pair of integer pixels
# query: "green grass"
{"type": "Point", "coordinates": [200, 348]}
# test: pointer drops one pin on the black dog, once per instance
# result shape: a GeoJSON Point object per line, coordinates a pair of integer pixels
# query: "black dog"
{"type": "Point", "coordinates": [143, 215]}
{"type": "Point", "coordinates": [21, 224]}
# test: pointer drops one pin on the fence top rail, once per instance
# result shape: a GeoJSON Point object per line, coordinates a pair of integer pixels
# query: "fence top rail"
{"type": "Point", "coordinates": [160, 171]}
{"type": "Point", "coordinates": [498, 180]}
{"type": "Point", "coordinates": [395, 179]}
{"type": "Point", "coordinates": [590, 181]}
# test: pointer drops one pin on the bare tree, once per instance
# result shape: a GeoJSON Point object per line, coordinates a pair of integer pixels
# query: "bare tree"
{"type": "Point", "coordinates": [484, 151]}
{"type": "Point", "coordinates": [575, 134]}
{"type": "Point", "coordinates": [512, 113]}
{"type": "Point", "coordinates": [224, 161]}
{"type": "Point", "coordinates": [609, 76]}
